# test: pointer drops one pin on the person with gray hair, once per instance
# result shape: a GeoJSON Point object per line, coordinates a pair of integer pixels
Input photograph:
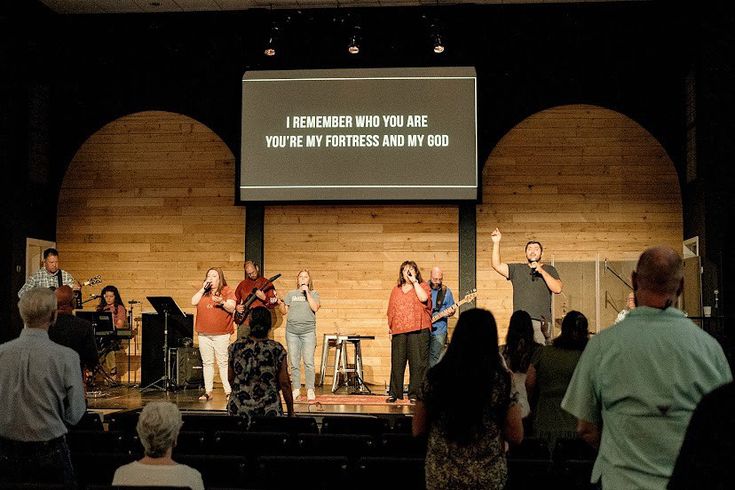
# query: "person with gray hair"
{"type": "Point", "coordinates": [158, 428]}
{"type": "Point", "coordinates": [42, 391]}
{"type": "Point", "coordinates": [644, 377]}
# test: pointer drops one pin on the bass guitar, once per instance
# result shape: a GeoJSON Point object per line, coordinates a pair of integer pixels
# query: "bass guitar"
{"type": "Point", "coordinates": [262, 284]}
{"type": "Point", "coordinates": [467, 298]}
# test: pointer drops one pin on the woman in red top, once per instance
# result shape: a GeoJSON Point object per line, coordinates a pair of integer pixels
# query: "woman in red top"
{"type": "Point", "coordinates": [409, 323]}
{"type": "Point", "coordinates": [215, 302]}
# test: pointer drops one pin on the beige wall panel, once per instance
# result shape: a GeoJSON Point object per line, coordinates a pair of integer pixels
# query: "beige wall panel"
{"type": "Point", "coordinates": [148, 203]}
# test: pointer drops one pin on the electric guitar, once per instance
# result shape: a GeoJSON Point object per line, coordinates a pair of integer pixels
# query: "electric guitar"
{"type": "Point", "coordinates": [93, 280]}
{"type": "Point", "coordinates": [467, 298]}
{"type": "Point", "coordinates": [261, 283]}
{"type": "Point", "coordinates": [78, 293]}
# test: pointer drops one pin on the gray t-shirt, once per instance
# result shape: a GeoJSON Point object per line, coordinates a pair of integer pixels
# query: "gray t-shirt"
{"type": "Point", "coordinates": [301, 319]}
{"type": "Point", "coordinates": [530, 292]}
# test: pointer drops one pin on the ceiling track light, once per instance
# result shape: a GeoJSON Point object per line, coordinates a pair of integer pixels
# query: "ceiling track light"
{"type": "Point", "coordinates": [271, 47]}
{"type": "Point", "coordinates": [437, 40]}
{"type": "Point", "coordinates": [354, 44]}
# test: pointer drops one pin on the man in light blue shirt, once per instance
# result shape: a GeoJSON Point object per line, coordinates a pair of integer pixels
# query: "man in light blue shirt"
{"type": "Point", "coordinates": [439, 327]}
{"type": "Point", "coordinates": [42, 390]}
{"type": "Point", "coordinates": [638, 382]}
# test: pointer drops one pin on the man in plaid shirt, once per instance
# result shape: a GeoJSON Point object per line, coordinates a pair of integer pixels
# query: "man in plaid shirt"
{"type": "Point", "coordinates": [49, 276]}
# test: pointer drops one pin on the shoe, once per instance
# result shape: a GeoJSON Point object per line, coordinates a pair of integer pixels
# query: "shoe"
{"type": "Point", "coordinates": [310, 395]}
{"type": "Point", "coordinates": [296, 394]}
{"type": "Point", "coordinates": [390, 399]}
{"type": "Point", "coordinates": [205, 397]}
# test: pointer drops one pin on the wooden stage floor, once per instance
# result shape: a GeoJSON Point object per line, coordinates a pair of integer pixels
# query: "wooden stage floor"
{"type": "Point", "coordinates": [108, 400]}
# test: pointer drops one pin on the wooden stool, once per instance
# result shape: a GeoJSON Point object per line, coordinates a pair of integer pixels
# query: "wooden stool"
{"type": "Point", "coordinates": [342, 368]}
{"type": "Point", "coordinates": [329, 340]}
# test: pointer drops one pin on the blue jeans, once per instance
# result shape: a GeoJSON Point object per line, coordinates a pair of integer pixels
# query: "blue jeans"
{"type": "Point", "coordinates": [436, 347]}
{"type": "Point", "coordinates": [301, 345]}
{"type": "Point", "coordinates": [36, 462]}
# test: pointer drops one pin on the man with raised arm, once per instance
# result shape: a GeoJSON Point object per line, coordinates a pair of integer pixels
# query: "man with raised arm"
{"type": "Point", "coordinates": [533, 284]}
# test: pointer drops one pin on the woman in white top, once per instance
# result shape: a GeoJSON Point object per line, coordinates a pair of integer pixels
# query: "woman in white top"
{"type": "Point", "coordinates": [158, 428]}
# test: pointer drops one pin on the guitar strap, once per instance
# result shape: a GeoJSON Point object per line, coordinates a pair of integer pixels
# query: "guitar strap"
{"type": "Point", "coordinates": [440, 299]}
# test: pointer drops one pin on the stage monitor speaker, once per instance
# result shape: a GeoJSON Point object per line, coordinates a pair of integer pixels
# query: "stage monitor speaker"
{"type": "Point", "coordinates": [179, 329]}
{"type": "Point", "coordinates": [186, 367]}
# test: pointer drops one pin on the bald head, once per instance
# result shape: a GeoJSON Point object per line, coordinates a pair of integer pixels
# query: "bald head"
{"type": "Point", "coordinates": [660, 271]}
{"type": "Point", "coordinates": [436, 277]}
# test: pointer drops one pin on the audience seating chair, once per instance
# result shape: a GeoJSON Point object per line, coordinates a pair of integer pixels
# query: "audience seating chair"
{"type": "Point", "coordinates": [529, 463]}
{"type": "Point", "coordinates": [373, 426]}
{"type": "Point", "coordinates": [193, 442]}
{"type": "Point", "coordinates": [291, 425]}
{"type": "Point", "coordinates": [573, 462]}
{"type": "Point", "coordinates": [98, 468]}
{"type": "Point", "coordinates": [123, 421]}
{"type": "Point", "coordinates": [404, 473]}
{"type": "Point", "coordinates": [250, 444]}
{"type": "Point", "coordinates": [403, 425]}
{"type": "Point", "coordinates": [402, 445]}
{"type": "Point", "coordinates": [84, 441]}
{"type": "Point", "coordinates": [349, 445]}
{"type": "Point", "coordinates": [304, 472]}
{"type": "Point", "coordinates": [90, 421]}
{"type": "Point", "coordinates": [211, 423]}
{"type": "Point", "coordinates": [219, 470]}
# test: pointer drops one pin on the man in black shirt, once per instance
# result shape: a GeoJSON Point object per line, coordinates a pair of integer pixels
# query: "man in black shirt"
{"type": "Point", "coordinates": [533, 283]}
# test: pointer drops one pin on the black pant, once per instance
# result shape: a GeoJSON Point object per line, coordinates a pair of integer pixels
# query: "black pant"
{"type": "Point", "coordinates": [414, 348]}
{"type": "Point", "coordinates": [36, 462]}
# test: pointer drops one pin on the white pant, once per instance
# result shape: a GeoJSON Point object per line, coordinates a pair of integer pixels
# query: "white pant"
{"type": "Point", "coordinates": [211, 347]}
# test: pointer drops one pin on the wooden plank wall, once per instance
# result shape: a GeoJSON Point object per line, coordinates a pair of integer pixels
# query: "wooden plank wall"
{"type": "Point", "coordinates": [147, 202]}
{"type": "Point", "coordinates": [582, 180]}
{"type": "Point", "coordinates": [354, 253]}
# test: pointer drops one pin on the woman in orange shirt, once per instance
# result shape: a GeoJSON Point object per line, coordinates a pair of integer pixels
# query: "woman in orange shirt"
{"type": "Point", "coordinates": [409, 323]}
{"type": "Point", "coordinates": [215, 303]}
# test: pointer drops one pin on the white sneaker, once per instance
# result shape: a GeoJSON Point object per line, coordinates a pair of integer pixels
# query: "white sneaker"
{"type": "Point", "coordinates": [310, 395]}
{"type": "Point", "coordinates": [296, 394]}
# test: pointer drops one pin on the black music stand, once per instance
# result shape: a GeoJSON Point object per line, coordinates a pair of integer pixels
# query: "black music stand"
{"type": "Point", "coordinates": [167, 307]}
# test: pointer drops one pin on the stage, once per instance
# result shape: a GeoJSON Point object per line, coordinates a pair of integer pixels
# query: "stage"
{"type": "Point", "coordinates": [108, 400]}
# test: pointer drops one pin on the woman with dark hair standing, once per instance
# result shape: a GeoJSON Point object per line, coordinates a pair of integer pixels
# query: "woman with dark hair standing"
{"type": "Point", "coordinates": [409, 324]}
{"type": "Point", "coordinates": [111, 302]}
{"type": "Point", "coordinates": [215, 303]}
{"type": "Point", "coordinates": [257, 371]}
{"type": "Point", "coordinates": [467, 409]}
{"type": "Point", "coordinates": [549, 376]}
{"type": "Point", "coordinates": [519, 351]}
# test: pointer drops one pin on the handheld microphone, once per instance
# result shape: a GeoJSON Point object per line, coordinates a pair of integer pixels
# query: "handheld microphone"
{"type": "Point", "coordinates": [133, 302]}
{"type": "Point", "coordinates": [208, 287]}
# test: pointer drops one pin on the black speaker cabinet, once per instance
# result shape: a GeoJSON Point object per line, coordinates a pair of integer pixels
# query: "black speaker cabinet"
{"type": "Point", "coordinates": [180, 330]}
{"type": "Point", "coordinates": [186, 367]}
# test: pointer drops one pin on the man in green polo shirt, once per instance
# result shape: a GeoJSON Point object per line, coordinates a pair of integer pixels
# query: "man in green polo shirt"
{"type": "Point", "coordinates": [638, 382]}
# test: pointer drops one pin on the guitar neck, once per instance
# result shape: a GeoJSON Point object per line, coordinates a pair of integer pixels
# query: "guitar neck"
{"type": "Point", "coordinates": [443, 313]}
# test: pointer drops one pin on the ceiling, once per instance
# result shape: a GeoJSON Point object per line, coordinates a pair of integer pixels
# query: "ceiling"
{"type": "Point", "coordinates": [154, 6]}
